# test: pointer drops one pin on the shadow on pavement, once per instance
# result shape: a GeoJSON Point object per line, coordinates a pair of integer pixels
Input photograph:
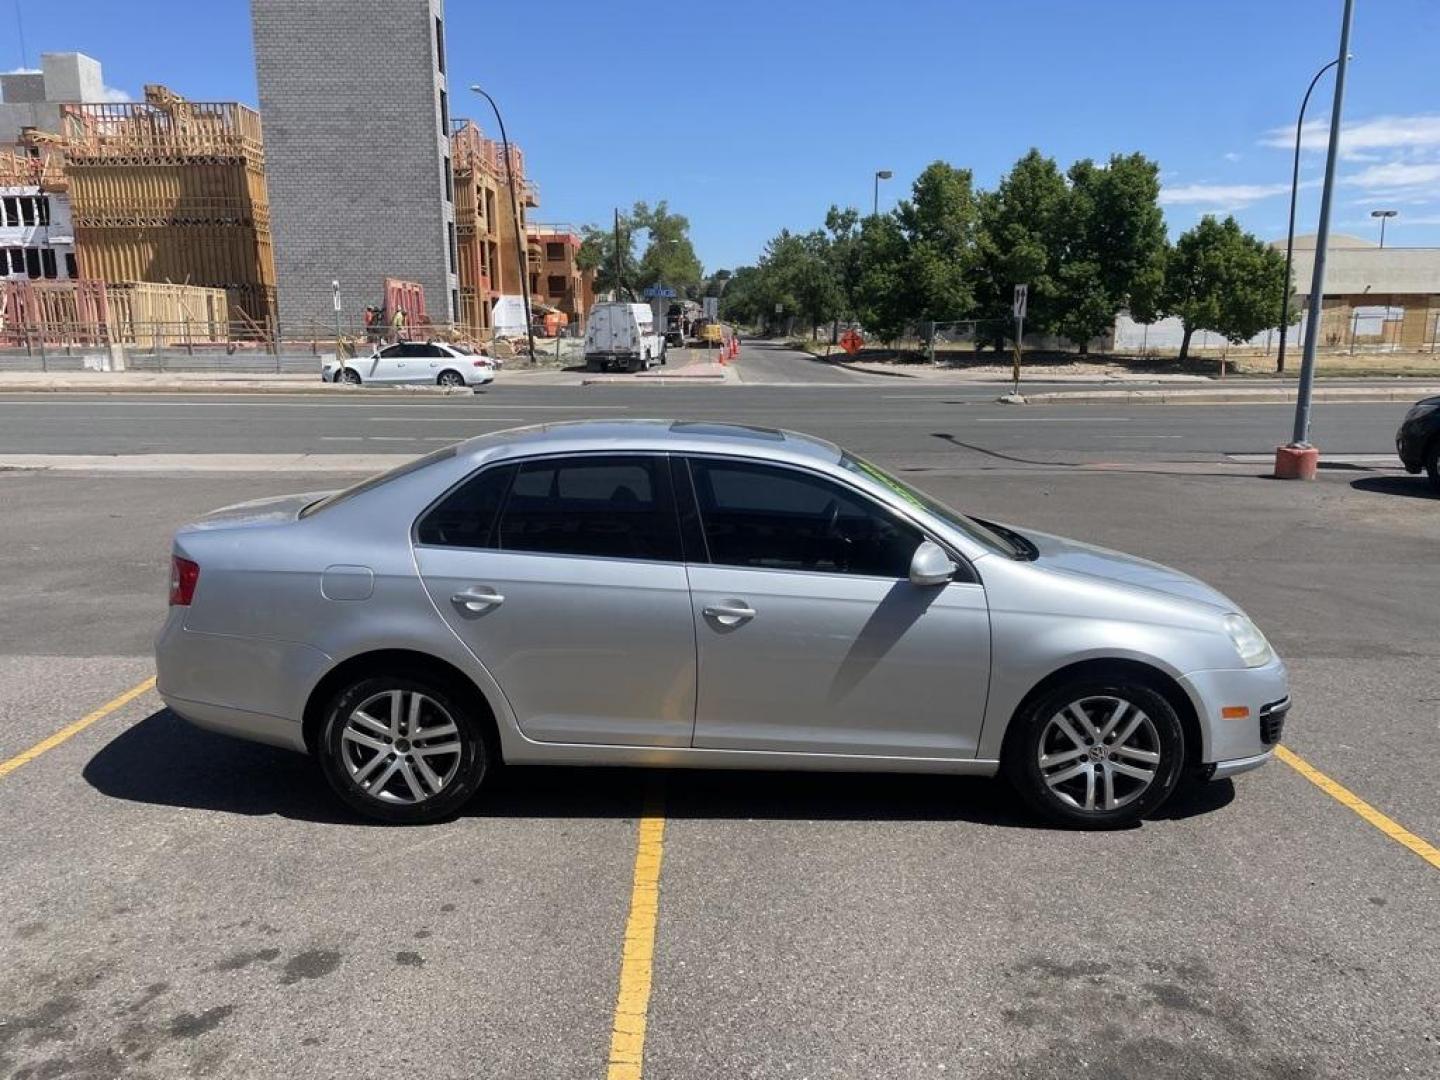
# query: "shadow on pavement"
{"type": "Point", "coordinates": [1410, 487]}
{"type": "Point", "coordinates": [165, 761]}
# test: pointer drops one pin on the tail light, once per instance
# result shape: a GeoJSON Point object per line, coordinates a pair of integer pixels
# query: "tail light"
{"type": "Point", "coordinates": [184, 575]}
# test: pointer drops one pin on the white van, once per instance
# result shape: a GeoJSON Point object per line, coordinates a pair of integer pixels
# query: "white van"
{"type": "Point", "coordinates": [622, 335]}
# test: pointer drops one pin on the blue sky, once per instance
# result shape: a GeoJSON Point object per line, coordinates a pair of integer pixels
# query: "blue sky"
{"type": "Point", "coordinates": [751, 116]}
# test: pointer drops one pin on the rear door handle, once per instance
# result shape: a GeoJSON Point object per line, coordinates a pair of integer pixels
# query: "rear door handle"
{"type": "Point", "coordinates": [478, 598]}
{"type": "Point", "coordinates": [730, 612]}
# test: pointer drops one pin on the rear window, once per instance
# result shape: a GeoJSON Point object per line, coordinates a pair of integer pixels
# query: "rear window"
{"type": "Point", "coordinates": [374, 482]}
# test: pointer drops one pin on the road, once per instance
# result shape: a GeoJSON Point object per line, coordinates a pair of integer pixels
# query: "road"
{"type": "Point", "coordinates": [181, 904]}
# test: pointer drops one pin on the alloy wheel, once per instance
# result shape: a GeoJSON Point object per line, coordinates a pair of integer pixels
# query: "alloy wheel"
{"type": "Point", "coordinates": [1099, 753]}
{"type": "Point", "coordinates": [450, 378]}
{"type": "Point", "coordinates": [401, 747]}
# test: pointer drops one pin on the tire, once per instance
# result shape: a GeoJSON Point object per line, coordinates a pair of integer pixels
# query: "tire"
{"type": "Point", "coordinates": [1157, 731]}
{"type": "Point", "coordinates": [350, 377]}
{"type": "Point", "coordinates": [1432, 463]}
{"type": "Point", "coordinates": [348, 748]}
{"type": "Point", "coordinates": [449, 377]}
{"type": "Point", "coordinates": [592, 364]}
{"type": "Point", "coordinates": [632, 365]}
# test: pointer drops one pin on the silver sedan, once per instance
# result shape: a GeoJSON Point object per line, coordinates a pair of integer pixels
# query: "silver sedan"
{"type": "Point", "coordinates": [700, 595]}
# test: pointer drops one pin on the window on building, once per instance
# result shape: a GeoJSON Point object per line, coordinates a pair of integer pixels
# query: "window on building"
{"type": "Point", "coordinates": [453, 256]}
{"type": "Point", "coordinates": [444, 115]}
{"type": "Point", "coordinates": [47, 263]}
{"type": "Point", "coordinates": [440, 43]}
{"type": "Point", "coordinates": [70, 271]}
{"type": "Point", "coordinates": [27, 211]}
{"type": "Point", "coordinates": [10, 210]}
{"type": "Point", "coordinates": [557, 284]}
{"type": "Point", "coordinates": [42, 209]}
{"type": "Point", "coordinates": [555, 252]}
{"type": "Point", "coordinates": [449, 182]}
{"type": "Point", "coordinates": [32, 262]}
{"type": "Point", "coordinates": [455, 304]}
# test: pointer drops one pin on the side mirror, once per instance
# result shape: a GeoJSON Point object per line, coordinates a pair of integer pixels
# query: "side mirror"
{"type": "Point", "coordinates": [930, 565]}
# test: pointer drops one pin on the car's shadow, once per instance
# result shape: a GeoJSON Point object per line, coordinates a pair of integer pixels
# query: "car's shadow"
{"type": "Point", "coordinates": [1409, 487]}
{"type": "Point", "coordinates": [164, 761]}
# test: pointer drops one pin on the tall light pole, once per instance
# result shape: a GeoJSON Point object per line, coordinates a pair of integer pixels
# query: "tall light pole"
{"type": "Point", "coordinates": [1290, 235]}
{"type": "Point", "coordinates": [882, 174]}
{"type": "Point", "coordinates": [1299, 459]}
{"type": "Point", "coordinates": [1384, 216]}
{"type": "Point", "coordinates": [521, 261]}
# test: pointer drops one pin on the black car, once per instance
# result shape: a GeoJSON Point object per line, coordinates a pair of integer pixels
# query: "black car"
{"type": "Point", "coordinates": [1418, 440]}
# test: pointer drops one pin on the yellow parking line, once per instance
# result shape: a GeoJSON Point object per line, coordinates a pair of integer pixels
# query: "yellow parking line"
{"type": "Point", "coordinates": [27, 756]}
{"type": "Point", "coordinates": [632, 1003]}
{"type": "Point", "coordinates": [1346, 797]}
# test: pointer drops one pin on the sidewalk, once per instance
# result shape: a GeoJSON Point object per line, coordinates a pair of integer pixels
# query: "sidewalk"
{"type": "Point", "coordinates": [1214, 394]}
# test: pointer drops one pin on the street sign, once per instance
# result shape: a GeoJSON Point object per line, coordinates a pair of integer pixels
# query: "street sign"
{"type": "Point", "coordinates": [659, 292]}
{"type": "Point", "coordinates": [1022, 297]}
{"type": "Point", "coordinates": [852, 341]}
{"type": "Point", "coordinates": [779, 309]}
{"type": "Point", "coordinates": [335, 294]}
{"type": "Point", "coordinates": [711, 306]}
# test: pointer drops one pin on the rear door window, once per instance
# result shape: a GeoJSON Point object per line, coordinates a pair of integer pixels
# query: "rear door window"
{"type": "Point", "coordinates": [614, 507]}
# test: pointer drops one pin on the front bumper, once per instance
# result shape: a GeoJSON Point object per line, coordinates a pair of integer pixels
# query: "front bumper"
{"type": "Point", "coordinates": [1237, 742]}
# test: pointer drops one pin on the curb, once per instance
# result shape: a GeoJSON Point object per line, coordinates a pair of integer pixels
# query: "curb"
{"type": "Point", "coordinates": [1234, 397]}
{"type": "Point", "coordinates": [226, 387]}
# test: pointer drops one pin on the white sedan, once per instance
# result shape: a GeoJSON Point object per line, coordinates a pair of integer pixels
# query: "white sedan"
{"type": "Point", "coordinates": [425, 362]}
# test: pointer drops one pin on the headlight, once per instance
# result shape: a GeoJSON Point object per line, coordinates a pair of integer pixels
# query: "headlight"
{"type": "Point", "coordinates": [1249, 642]}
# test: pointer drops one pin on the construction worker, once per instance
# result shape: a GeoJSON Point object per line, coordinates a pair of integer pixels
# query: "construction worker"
{"type": "Point", "coordinates": [397, 323]}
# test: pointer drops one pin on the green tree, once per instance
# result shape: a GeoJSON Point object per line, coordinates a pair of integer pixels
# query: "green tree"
{"type": "Point", "coordinates": [669, 257]}
{"type": "Point", "coordinates": [743, 300]}
{"type": "Point", "coordinates": [939, 226]}
{"type": "Point", "coordinates": [1220, 278]}
{"type": "Point", "coordinates": [597, 252]}
{"type": "Point", "coordinates": [1020, 241]}
{"type": "Point", "coordinates": [1114, 246]}
{"type": "Point", "coordinates": [883, 303]}
{"type": "Point", "coordinates": [843, 227]}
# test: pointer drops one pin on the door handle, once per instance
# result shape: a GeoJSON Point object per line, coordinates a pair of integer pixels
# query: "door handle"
{"type": "Point", "coordinates": [730, 612]}
{"type": "Point", "coordinates": [478, 598]}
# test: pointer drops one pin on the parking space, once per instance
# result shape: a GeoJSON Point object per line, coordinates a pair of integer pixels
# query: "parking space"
{"type": "Point", "coordinates": [183, 904]}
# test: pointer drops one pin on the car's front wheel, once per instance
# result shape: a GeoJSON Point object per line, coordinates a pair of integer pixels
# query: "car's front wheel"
{"type": "Point", "coordinates": [403, 748]}
{"type": "Point", "coordinates": [351, 377]}
{"type": "Point", "coordinates": [1096, 754]}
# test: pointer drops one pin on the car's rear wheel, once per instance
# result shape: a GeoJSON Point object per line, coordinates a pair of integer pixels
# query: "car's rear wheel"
{"type": "Point", "coordinates": [351, 377]}
{"type": "Point", "coordinates": [451, 378]}
{"type": "Point", "coordinates": [1096, 754]}
{"type": "Point", "coordinates": [1432, 463]}
{"type": "Point", "coordinates": [403, 748]}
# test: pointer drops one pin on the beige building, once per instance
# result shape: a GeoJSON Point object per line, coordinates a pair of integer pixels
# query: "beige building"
{"type": "Point", "coordinates": [1373, 296]}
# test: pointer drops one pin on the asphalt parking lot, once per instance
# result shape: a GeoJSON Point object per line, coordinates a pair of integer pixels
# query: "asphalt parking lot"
{"type": "Point", "coordinates": [180, 904]}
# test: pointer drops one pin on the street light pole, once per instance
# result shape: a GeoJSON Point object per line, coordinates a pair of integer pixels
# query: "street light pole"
{"type": "Point", "coordinates": [882, 174]}
{"type": "Point", "coordinates": [1301, 436]}
{"type": "Point", "coordinates": [1384, 216]}
{"type": "Point", "coordinates": [521, 262]}
{"type": "Point", "coordinates": [1290, 235]}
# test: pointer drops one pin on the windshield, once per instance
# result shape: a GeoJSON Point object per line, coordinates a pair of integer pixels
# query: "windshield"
{"type": "Point", "coordinates": [375, 481]}
{"type": "Point", "coordinates": [982, 534]}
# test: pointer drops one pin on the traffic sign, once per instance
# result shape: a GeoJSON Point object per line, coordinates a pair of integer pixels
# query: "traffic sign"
{"type": "Point", "coordinates": [1022, 298]}
{"type": "Point", "coordinates": [661, 292]}
{"type": "Point", "coordinates": [852, 341]}
{"type": "Point", "coordinates": [711, 306]}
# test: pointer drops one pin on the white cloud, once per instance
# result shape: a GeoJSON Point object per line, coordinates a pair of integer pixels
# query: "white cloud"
{"type": "Point", "coordinates": [1396, 175]}
{"type": "Point", "coordinates": [23, 71]}
{"type": "Point", "coordinates": [115, 94]}
{"type": "Point", "coordinates": [1222, 196]}
{"type": "Point", "coordinates": [1359, 136]}
{"type": "Point", "coordinates": [1231, 156]}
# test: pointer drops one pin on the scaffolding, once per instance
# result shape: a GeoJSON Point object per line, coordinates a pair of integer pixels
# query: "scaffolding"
{"type": "Point", "coordinates": [172, 190]}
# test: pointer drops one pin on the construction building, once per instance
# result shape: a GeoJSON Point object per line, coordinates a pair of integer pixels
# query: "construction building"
{"type": "Point", "coordinates": [169, 190]}
{"type": "Point", "coordinates": [37, 241]}
{"type": "Point", "coordinates": [1374, 296]}
{"type": "Point", "coordinates": [556, 280]}
{"type": "Point", "coordinates": [357, 126]}
{"type": "Point", "coordinates": [32, 99]}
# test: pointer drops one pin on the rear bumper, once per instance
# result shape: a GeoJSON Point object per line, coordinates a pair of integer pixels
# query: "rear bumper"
{"type": "Point", "coordinates": [252, 726]}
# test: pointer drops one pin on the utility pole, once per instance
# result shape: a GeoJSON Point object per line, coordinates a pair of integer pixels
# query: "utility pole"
{"type": "Point", "coordinates": [617, 253]}
{"type": "Point", "coordinates": [1299, 459]}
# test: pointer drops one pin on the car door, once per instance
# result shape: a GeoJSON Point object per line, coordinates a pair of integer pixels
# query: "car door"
{"type": "Point", "coordinates": [809, 633]}
{"type": "Point", "coordinates": [384, 365]}
{"type": "Point", "coordinates": [563, 575]}
{"type": "Point", "coordinates": [429, 361]}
